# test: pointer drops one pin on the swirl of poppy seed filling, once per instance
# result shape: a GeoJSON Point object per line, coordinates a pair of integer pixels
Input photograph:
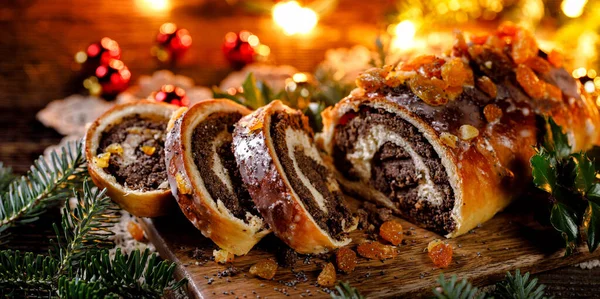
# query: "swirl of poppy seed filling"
{"type": "Point", "coordinates": [212, 153]}
{"type": "Point", "coordinates": [134, 168]}
{"type": "Point", "coordinates": [393, 157]}
{"type": "Point", "coordinates": [308, 176]}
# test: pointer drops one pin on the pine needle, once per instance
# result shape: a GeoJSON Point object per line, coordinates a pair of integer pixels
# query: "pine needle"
{"type": "Point", "coordinates": [346, 291]}
{"type": "Point", "coordinates": [47, 183]}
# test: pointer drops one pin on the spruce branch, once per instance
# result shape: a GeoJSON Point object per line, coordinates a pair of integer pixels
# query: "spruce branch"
{"type": "Point", "coordinates": [86, 227]}
{"type": "Point", "coordinates": [80, 266]}
{"type": "Point", "coordinates": [450, 289]}
{"type": "Point", "coordinates": [26, 271]}
{"type": "Point", "coordinates": [139, 274]}
{"type": "Point", "coordinates": [519, 287]}
{"type": "Point", "coordinates": [45, 184]}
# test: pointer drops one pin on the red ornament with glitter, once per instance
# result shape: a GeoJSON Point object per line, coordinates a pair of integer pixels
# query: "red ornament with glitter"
{"type": "Point", "coordinates": [171, 94]}
{"type": "Point", "coordinates": [109, 80]}
{"type": "Point", "coordinates": [98, 53]}
{"type": "Point", "coordinates": [172, 42]}
{"type": "Point", "coordinates": [240, 49]}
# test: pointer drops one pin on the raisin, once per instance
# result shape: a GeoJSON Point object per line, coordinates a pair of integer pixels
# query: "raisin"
{"type": "Point", "coordinates": [530, 82]}
{"type": "Point", "coordinates": [391, 231]}
{"type": "Point", "coordinates": [479, 39]}
{"type": "Point", "coordinates": [459, 48]}
{"type": "Point", "coordinates": [494, 42]}
{"type": "Point", "coordinates": [453, 92]}
{"type": "Point", "coordinates": [372, 79]}
{"type": "Point", "coordinates": [538, 64]}
{"type": "Point", "coordinates": [492, 113]}
{"type": "Point", "coordinates": [433, 69]}
{"type": "Point", "coordinates": [345, 259]}
{"type": "Point", "coordinates": [376, 250]}
{"type": "Point", "coordinates": [431, 91]}
{"type": "Point", "coordinates": [264, 269]}
{"type": "Point", "coordinates": [135, 231]}
{"type": "Point", "coordinates": [487, 85]}
{"type": "Point", "coordinates": [454, 72]}
{"type": "Point", "coordinates": [327, 277]}
{"type": "Point", "coordinates": [555, 58]}
{"type": "Point", "coordinates": [415, 63]}
{"type": "Point", "coordinates": [552, 93]}
{"type": "Point", "coordinates": [524, 46]}
{"type": "Point", "coordinates": [507, 29]}
{"type": "Point", "coordinates": [440, 253]}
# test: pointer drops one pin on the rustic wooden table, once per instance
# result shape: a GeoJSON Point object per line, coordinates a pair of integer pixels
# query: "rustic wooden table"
{"type": "Point", "coordinates": [39, 38]}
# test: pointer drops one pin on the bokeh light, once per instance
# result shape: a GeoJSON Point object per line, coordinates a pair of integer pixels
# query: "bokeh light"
{"type": "Point", "coordinates": [293, 18]}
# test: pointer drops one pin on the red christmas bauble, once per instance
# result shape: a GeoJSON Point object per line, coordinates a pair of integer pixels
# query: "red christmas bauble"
{"type": "Point", "coordinates": [96, 54]}
{"type": "Point", "coordinates": [113, 77]}
{"type": "Point", "coordinates": [172, 42]}
{"type": "Point", "coordinates": [171, 94]}
{"type": "Point", "coordinates": [239, 49]}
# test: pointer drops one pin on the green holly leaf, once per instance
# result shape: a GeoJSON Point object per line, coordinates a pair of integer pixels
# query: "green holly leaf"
{"type": "Point", "coordinates": [584, 171]}
{"type": "Point", "coordinates": [219, 94]}
{"type": "Point", "coordinates": [593, 225]}
{"type": "Point", "coordinates": [252, 93]}
{"type": "Point", "coordinates": [593, 193]}
{"type": "Point", "coordinates": [543, 168]}
{"type": "Point", "coordinates": [563, 219]}
{"type": "Point", "coordinates": [555, 140]}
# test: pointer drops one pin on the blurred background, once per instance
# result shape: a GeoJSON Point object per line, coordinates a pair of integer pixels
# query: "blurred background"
{"type": "Point", "coordinates": [111, 49]}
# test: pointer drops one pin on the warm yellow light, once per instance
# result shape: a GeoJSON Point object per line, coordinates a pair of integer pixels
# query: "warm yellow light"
{"type": "Point", "coordinates": [153, 5]}
{"type": "Point", "coordinates": [573, 8]}
{"type": "Point", "coordinates": [404, 35]}
{"type": "Point", "coordinates": [300, 77]}
{"type": "Point", "coordinates": [294, 18]}
{"type": "Point", "coordinates": [580, 72]}
{"type": "Point", "coordinates": [589, 87]}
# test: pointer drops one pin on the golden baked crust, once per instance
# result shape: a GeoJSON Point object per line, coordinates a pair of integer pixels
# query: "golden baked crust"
{"type": "Point", "coordinates": [486, 172]}
{"type": "Point", "coordinates": [270, 188]}
{"type": "Point", "coordinates": [142, 204]}
{"type": "Point", "coordinates": [212, 218]}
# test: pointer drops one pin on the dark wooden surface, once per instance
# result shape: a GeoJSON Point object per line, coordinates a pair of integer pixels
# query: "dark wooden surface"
{"type": "Point", "coordinates": [510, 241]}
{"type": "Point", "coordinates": [39, 38]}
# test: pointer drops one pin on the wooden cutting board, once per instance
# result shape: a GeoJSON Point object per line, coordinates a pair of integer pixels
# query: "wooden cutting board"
{"type": "Point", "coordinates": [508, 242]}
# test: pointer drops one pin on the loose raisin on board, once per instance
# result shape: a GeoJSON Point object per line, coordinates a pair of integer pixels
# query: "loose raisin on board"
{"type": "Point", "coordinates": [135, 231]}
{"type": "Point", "coordinates": [440, 253]}
{"type": "Point", "coordinates": [376, 250]}
{"type": "Point", "coordinates": [391, 231]}
{"type": "Point", "coordinates": [265, 269]}
{"type": "Point", "coordinates": [345, 259]}
{"type": "Point", "coordinates": [327, 277]}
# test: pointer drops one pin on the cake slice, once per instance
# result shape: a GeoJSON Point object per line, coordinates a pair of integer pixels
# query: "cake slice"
{"type": "Point", "coordinates": [125, 152]}
{"type": "Point", "coordinates": [288, 181]}
{"type": "Point", "coordinates": [204, 177]}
